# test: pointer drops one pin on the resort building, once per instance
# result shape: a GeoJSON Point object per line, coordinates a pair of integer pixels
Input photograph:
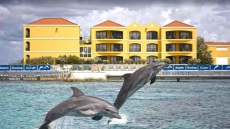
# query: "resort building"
{"type": "Point", "coordinates": [50, 37]}
{"type": "Point", "coordinates": [220, 52]}
{"type": "Point", "coordinates": [111, 41]}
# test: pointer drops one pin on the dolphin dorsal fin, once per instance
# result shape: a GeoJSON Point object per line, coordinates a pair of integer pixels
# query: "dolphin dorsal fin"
{"type": "Point", "coordinates": [76, 92]}
{"type": "Point", "coordinates": [126, 76]}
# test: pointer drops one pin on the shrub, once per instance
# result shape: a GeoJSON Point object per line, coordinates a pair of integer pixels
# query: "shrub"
{"type": "Point", "coordinates": [128, 61]}
{"type": "Point", "coordinates": [194, 61]}
{"type": "Point", "coordinates": [142, 61]}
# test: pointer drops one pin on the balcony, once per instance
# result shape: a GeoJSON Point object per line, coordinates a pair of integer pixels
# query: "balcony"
{"type": "Point", "coordinates": [109, 35]}
{"type": "Point", "coordinates": [86, 40]}
{"type": "Point", "coordinates": [178, 35]}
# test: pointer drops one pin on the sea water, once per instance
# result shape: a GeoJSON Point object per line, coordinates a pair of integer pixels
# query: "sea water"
{"type": "Point", "coordinates": [162, 105]}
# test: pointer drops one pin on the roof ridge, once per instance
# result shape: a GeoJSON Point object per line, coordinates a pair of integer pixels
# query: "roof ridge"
{"type": "Point", "coordinates": [177, 23]}
{"type": "Point", "coordinates": [51, 21]}
{"type": "Point", "coordinates": [108, 23]}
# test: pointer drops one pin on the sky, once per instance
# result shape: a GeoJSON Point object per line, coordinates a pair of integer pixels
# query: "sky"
{"type": "Point", "coordinates": [210, 17]}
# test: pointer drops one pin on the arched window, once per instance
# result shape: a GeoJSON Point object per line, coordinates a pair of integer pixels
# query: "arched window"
{"type": "Point", "coordinates": [27, 59]}
{"type": "Point", "coordinates": [134, 35]}
{"type": "Point", "coordinates": [27, 32]}
{"type": "Point", "coordinates": [135, 58]}
{"type": "Point", "coordinates": [151, 59]}
{"type": "Point", "coordinates": [151, 47]}
{"type": "Point", "coordinates": [27, 46]}
{"type": "Point", "coordinates": [152, 35]}
{"type": "Point", "coordinates": [135, 47]}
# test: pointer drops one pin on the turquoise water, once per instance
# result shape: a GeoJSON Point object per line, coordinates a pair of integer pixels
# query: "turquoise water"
{"type": "Point", "coordinates": [163, 105]}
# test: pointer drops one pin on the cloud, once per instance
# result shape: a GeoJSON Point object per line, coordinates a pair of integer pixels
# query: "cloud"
{"type": "Point", "coordinates": [210, 17]}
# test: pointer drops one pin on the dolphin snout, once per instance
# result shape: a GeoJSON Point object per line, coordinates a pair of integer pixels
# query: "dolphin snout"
{"type": "Point", "coordinates": [117, 116]}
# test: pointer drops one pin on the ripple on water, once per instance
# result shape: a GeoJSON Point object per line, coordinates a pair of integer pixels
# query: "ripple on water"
{"type": "Point", "coordinates": [195, 104]}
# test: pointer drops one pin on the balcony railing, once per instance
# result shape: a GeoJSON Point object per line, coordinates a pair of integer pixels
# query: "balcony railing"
{"type": "Point", "coordinates": [115, 49]}
{"type": "Point", "coordinates": [135, 37]}
{"type": "Point", "coordinates": [135, 50]}
{"type": "Point", "coordinates": [152, 50]}
{"type": "Point", "coordinates": [111, 37]}
{"type": "Point", "coordinates": [170, 49]}
{"type": "Point", "coordinates": [27, 49]}
{"type": "Point", "coordinates": [185, 49]}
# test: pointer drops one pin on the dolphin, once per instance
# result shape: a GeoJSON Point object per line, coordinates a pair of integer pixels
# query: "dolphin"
{"type": "Point", "coordinates": [134, 81]}
{"type": "Point", "coordinates": [81, 105]}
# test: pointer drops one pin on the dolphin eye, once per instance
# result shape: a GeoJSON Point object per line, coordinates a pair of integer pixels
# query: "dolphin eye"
{"type": "Point", "coordinates": [107, 109]}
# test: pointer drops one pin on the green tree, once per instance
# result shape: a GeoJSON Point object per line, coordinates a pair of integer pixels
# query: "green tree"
{"type": "Point", "coordinates": [202, 52]}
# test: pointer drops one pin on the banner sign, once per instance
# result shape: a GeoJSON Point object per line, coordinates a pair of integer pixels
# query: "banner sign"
{"type": "Point", "coordinates": [204, 67]}
{"type": "Point", "coordinates": [43, 67]}
{"type": "Point", "coordinates": [31, 67]}
{"type": "Point", "coordinates": [216, 67]}
{"type": "Point", "coordinates": [4, 67]}
{"type": "Point", "coordinates": [170, 67]}
{"type": "Point", "coordinates": [179, 67]}
{"type": "Point", "coordinates": [226, 67]}
{"type": "Point", "coordinates": [191, 67]}
{"type": "Point", "coordinates": [17, 67]}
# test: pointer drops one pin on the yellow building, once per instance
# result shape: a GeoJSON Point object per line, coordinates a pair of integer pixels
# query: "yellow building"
{"type": "Point", "coordinates": [115, 42]}
{"type": "Point", "coordinates": [50, 37]}
{"type": "Point", "coordinates": [220, 52]}
{"type": "Point", "coordinates": [111, 41]}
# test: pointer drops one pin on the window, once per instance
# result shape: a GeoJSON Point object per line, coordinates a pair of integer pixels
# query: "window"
{"type": "Point", "coordinates": [135, 48]}
{"type": "Point", "coordinates": [222, 49]}
{"type": "Point", "coordinates": [185, 35]}
{"type": "Point", "coordinates": [103, 57]}
{"type": "Point", "coordinates": [27, 59]}
{"type": "Point", "coordinates": [152, 35]}
{"type": "Point", "coordinates": [115, 59]}
{"type": "Point", "coordinates": [170, 35]}
{"type": "Point", "coordinates": [151, 58]}
{"type": "Point", "coordinates": [185, 47]}
{"type": "Point", "coordinates": [134, 35]}
{"type": "Point", "coordinates": [170, 47]}
{"type": "Point", "coordinates": [101, 35]}
{"type": "Point", "coordinates": [27, 46]}
{"type": "Point", "coordinates": [101, 47]}
{"type": "Point", "coordinates": [116, 35]}
{"type": "Point", "coordinates": [135, 58]}
{"type": "Point", "coordinates": [27, 32]}
{"type": "Point", "coordinates": [116, 47]}
{"type": "Point", "coordinates": [151, 47]}
{"type": "Point", "coordinates": [85, 51]}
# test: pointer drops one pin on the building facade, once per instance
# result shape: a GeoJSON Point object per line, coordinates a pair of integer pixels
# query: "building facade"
{"type": "Point", "coordinates": [50, 37]}
{"type": "Point", "coordinates": [111, 41]}
{"type": "Point", "coordinates": [220, 52]}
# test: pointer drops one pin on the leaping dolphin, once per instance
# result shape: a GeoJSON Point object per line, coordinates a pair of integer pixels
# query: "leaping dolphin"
{"type": "Point", "coordinates": [134, 81]}
{"type": "Point", "coordinates": [81, 105]}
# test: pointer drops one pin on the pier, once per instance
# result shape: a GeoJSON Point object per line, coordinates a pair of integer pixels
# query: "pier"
{"type": "Point", "coordinates": [108, 72]}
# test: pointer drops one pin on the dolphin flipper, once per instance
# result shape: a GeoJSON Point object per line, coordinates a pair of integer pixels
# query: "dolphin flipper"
{"type": "Point", "coordinates": [97, 117]}
{"type": "Point", "coordinates": [153, 79]}
{"type": "Point", "coordinates": [76, 92]}
{"type": "Point", "coordinates": [44, 125]}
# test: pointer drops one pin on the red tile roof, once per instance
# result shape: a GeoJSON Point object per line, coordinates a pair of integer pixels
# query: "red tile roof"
{"type": "Point", "coordinates": [177, 24]}
{"type": "Point", "coordinates": [52, 21]}
{"type": "Point", "coordinates": [109, 23]}
{"type": "Point", "coordinates": [217, 43]}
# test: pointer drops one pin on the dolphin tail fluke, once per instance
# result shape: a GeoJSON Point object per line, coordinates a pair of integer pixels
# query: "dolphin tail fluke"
{"type": "Point", "coordinates": [97, 117]}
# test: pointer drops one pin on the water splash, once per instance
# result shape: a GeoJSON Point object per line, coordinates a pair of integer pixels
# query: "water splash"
{"type": "Point", "coordinates": [123, 120]}
{"type": "Point", "coordinates": [63, 123]}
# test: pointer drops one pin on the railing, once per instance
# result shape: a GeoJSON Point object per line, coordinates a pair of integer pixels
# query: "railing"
{"type": "Point", "coordinates": [110, 67]}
